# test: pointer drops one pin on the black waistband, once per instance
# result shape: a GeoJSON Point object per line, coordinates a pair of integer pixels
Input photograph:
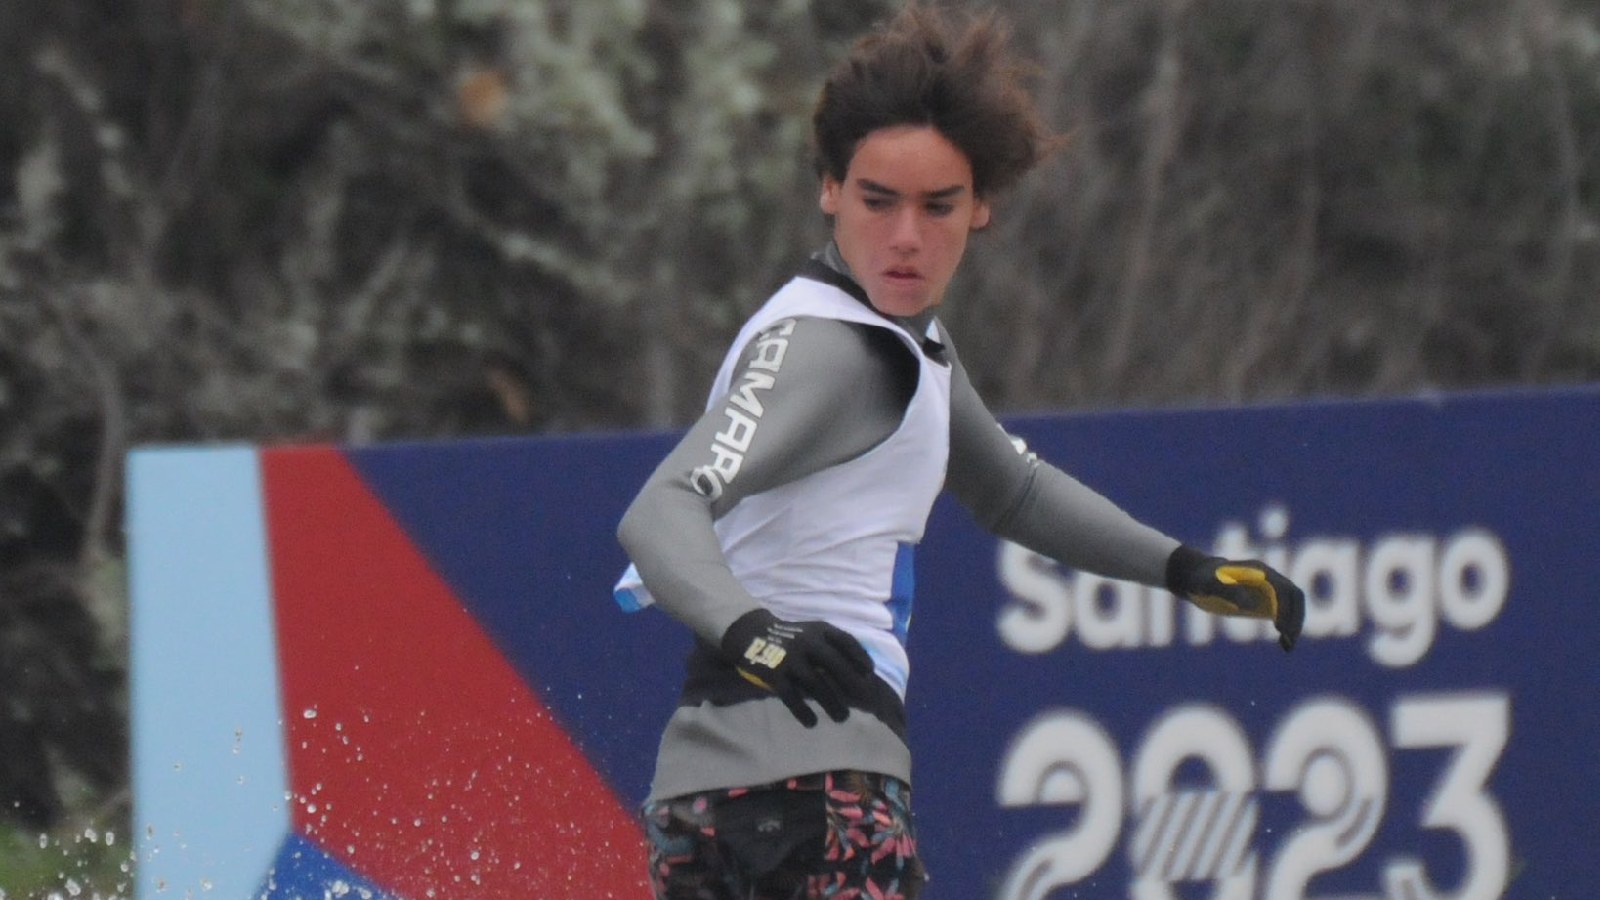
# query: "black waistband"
{"type": "Point", "coordinates": [711, 678]}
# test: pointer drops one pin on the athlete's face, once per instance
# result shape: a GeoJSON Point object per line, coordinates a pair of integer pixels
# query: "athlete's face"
{"type": "Point", "coordinates": [902, 215]}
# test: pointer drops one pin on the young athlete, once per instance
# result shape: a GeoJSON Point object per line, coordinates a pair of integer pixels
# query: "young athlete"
{"type": "Point", "coordinates": [780, 529]}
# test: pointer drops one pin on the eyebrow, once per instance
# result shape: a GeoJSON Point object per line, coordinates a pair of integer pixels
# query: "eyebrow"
{"type": "Point", "coordinates": [868, 184]}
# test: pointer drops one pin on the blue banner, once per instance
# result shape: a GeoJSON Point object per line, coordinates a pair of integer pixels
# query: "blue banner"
{"type": "Point", "coordinates": [1434, 735]}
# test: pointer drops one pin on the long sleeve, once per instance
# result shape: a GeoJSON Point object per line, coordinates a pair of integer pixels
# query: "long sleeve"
{"type": "Point", "coordinates": [1019, 497]}
{"type": "Point", "coordinates": [841, 389]}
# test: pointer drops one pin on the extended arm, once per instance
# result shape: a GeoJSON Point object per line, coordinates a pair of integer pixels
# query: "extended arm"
{"type": "Point", "coordinates": [1024, 499]}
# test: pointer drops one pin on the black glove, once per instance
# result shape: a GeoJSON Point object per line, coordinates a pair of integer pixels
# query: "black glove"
{"type": "Point", "coordinates": [799, 661]}
{"type": "Point", "coordinates": [1238, 588]}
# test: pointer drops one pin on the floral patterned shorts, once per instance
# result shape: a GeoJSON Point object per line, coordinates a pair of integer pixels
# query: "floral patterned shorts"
{"type": "Point", "coordinates": [842, 835]}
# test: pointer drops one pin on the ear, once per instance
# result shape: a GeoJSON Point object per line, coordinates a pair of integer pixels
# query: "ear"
{"type": "Point", "coordinates": [981, 215]}
{"type": "Point", "coordinates": [831, 193]}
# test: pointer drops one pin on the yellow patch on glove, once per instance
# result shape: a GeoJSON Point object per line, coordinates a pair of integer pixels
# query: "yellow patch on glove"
{"type": "Point", "coordinates": [753, 679]}
{"type": "Point", "coordinates": [1250, 578]}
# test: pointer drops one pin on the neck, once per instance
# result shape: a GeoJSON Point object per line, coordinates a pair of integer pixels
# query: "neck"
{"type": "Point", "coordinates": [917, 324]}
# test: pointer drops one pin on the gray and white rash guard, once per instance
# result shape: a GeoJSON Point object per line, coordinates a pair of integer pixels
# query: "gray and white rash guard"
{"type": "Point", "coordinates": [841, 394]}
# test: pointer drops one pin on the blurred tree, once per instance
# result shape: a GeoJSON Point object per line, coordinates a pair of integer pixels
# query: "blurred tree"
{"type": "Point", "coordinates": [298, 219]}
{"type": "Point", "coordinates": [1287, 199]}
{"type": "Point", "coordinates": [63, 728]}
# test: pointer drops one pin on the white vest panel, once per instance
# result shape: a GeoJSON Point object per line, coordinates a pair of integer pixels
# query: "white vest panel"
{"type": "Point", "coordinates": [836, 545]}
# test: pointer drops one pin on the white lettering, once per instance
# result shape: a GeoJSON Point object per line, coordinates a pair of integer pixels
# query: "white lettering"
{"type": "Point", "coordinates": [706, 482]}
{"type": "Point", "coordinates": [1473, 579]}
{"type": "Point", "coordinates": [1329, 570]}
{"type": "Point", "coordinates": [1194, 788]}
{"type": "Point", "coordinates": [741, 429]}
{"type": "Point", "coordinates": [1062, 758]}
{"type": "Point", "coordinates": [710, 479]}
{"type": "Point", "coordinates": [1402, 586]}
{"type": "Point", "coordinates": [1161, 613]}
{"type": "Point", "coordinates": [1040, 616]}
{"type": "Point", "coordinates": [1476, 727]}
{"type": "Point", "coordinates": [743, 410]}
{"type": "Point", "coordinates": [1109, 613]}
{"type": "Point", "coordinates": [1399, 586]}
{"type": "Point", "coordinates": [770, 350]}
{"type": "Point", "coordinates": [726, 464]}
{"type": "Point", "coordinates": [1330, 753]}
{"type": "Point", "coordinates": [744, 395]}
{"type": "Point", "coordinates": [1046, 602]}
{"type": "Point", "coordinates": [1180, 835]}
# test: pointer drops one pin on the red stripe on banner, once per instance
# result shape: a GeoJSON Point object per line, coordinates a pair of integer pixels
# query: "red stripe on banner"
{"type": "Point", "coordinates": [417, 755]}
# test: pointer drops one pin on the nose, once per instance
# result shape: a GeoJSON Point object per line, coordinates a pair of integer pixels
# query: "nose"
{"type": "Point", "coordinates": [906, 233]}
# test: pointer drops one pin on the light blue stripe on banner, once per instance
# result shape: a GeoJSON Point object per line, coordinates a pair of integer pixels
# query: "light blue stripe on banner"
{"type": "Point", "coordinates": [903, 590]}
{"type": "Point", "coordinates": [208, 758]}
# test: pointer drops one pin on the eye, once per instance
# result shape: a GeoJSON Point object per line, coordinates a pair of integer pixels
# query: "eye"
{"type": "Point", "coordinates": [877, 204]}
{"type": "Point", "coordinates": [941, 208]}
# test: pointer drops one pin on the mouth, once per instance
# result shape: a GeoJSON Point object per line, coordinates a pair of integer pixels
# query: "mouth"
{"type": "Point", "coordinates": [902, 276]}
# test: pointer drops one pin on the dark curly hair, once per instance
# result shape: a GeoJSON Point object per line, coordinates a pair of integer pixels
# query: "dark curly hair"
{"type": "Point", "coordinates": [919, 69]}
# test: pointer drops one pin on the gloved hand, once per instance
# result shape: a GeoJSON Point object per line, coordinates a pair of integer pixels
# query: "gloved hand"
{"type": "Point", "coordinates": [799, 661]}
{"type": "Point", "coordinates": [1238, 588]}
